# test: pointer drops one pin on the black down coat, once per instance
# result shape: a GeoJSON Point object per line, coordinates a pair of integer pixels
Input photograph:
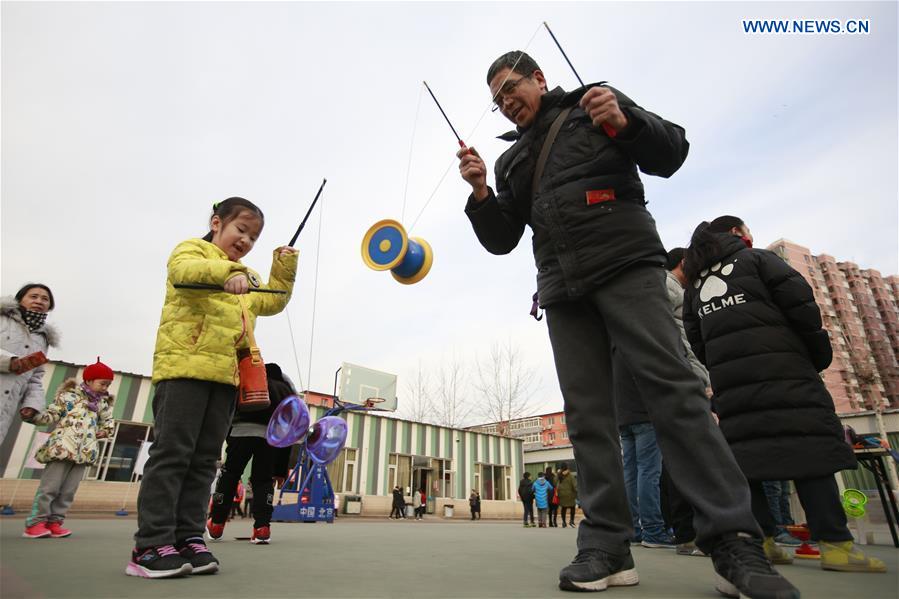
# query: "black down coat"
{"type": "Point", "coordinates": [588, 214]}
{"type": "Point", "coordinates": [752, 320]}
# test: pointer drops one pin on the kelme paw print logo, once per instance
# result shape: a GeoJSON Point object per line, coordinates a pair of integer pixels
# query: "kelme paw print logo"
{"type": "Point", "coordinates": [713, 286]}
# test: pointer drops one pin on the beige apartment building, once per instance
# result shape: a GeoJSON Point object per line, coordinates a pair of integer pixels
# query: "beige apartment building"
{"type": "Point", "coordinates": [860, 311]}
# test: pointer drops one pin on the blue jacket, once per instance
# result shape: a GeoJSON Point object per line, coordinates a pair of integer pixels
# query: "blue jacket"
{"type": "Point", "coordinates": [542, 489]}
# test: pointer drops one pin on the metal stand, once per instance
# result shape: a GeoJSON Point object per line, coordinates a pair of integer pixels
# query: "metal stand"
{"type": "Point", "coordinates": [872, 461]}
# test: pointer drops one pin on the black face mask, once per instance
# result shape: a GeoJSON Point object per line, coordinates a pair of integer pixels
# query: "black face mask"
{"type": "Point", "coordinates": [33, 320]}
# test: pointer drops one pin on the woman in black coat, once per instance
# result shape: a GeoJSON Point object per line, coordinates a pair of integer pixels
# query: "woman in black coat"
{"type": "Point", "coordinates": [753, 321]}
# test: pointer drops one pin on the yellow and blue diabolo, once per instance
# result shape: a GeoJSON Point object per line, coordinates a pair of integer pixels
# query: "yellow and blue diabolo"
{"type": "Point", "coordinates": [387, 247]}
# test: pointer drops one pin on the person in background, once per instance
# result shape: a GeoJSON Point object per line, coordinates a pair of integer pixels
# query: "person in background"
{"type": "Point", "coordinates": [417, 503]}
{"type": "Point", "coordinates": [237, 500]}
{"type": "Point", "coordinates": [778, 494]}
{"type": "Point", "coordinates": [82, 415]}
{"type": "Point", "coordinates": [526, 495]}
{"type": "Point", "coordinates": [474, 503]}
{"type": "Point", "coordinates": [24, 331]}
{"type": "Point", "coordinates": [753, 321]}
{"type": "Point", "coordinates": [567, 494]}
{"type": "Point", "coordinates": [248, 499]}
{"type": "Point", "coordinates": [246, 441]}
{"type": "Point", "coordinates": [553, 505]}
{"type": "Point", "coordinates": [542, 495]}
{"type": "Point", "coordinates": [398, 506]}
{"type": "Point", "coordinates": [641, 458]}
{"type": "Point", "coordinates": [677, 510]}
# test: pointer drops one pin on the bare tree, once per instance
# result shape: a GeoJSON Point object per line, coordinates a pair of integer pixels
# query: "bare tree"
{"type": "Point", "coordinates": [452, 406]}
{"type": "Point", "coordinates": [418, 403]}
{"type": "Point", "coordinates": [506, 386]}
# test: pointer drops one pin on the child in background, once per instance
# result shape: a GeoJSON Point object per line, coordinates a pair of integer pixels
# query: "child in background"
{"type": "Point", "coordinates": [542, 490]}
{"type": "Point", "coordinates": [246, 441]}
{"type": "Point", "coordinates": [82, 414]}
{"type": "Point", "coordinates": [195, 371]}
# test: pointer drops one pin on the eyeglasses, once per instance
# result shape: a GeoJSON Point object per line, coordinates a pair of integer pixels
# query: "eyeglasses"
{"type": "Point", "coordinates": [507, 88]}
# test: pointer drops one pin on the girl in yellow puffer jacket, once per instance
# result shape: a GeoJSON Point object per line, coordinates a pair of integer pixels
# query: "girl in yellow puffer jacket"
{"type": "Point", "coordinates": [196, 376]}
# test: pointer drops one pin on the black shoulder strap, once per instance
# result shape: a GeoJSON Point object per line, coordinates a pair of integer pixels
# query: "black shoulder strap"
{"type": "Point", "coordinates": [547, 146]}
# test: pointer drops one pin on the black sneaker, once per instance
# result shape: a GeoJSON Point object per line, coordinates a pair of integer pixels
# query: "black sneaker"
{"type": "Point", "coordinates": [201, 559]}
{"type": "Point", "coordinates": [157, 562]}
{"type": "Point", "coordinates": [742, 568]}
{"type": "Point", "coordinates": [595, 570]}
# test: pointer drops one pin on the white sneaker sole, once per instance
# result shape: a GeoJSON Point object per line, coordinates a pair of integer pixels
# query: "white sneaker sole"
{"type": "Point", "coordinates": [625, 578]}
{"type": "Point", "coordinates": [137, 570]}
{"type": "Point", "coordinates": [207, 569]}
{"type": "Point", "coordinates": [209, 537]}
{"type": "Point", "coordinates": [726, 588]}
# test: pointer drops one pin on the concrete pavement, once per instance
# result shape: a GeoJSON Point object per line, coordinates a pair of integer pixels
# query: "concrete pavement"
{"type": "Point", "coordinates": [376, 558]}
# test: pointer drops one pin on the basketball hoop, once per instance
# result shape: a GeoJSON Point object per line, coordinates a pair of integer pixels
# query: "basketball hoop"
{"type": "Point", "coordinates": [372, 401]}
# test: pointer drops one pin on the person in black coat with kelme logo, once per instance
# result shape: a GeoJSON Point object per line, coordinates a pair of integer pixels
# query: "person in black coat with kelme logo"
{"type": "Point", "coordinates": [753, 321]}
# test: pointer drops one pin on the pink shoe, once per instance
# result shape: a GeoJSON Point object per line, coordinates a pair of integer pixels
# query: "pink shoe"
{"type": "Point", "coordinates": [57, 531]}
{"type": "Point", "coordinates": [36, 531]}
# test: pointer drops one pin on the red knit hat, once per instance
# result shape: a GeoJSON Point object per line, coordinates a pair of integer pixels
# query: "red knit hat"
{"type": "Point", "coordinates": [98, 371]}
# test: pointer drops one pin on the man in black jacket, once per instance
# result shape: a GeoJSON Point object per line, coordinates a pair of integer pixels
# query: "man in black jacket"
{"type": "Point", "coordinates": [601, 281]}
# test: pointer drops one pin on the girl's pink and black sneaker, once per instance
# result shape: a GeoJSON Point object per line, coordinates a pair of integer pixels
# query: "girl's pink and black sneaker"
{"type": "Point", "coordinates": [57, 531]}
{"type": "Point", "coordinates": [201, 559]}
{"type": "Point", "coordinates": [158, 562]}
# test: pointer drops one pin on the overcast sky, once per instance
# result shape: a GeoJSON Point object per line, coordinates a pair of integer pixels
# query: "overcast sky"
{"type": "Point", "coordinates": [122, 123]}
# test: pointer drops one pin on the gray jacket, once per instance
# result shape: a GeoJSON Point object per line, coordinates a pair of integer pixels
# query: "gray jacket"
{"type": "Point", "coordinates": [24, 390]}
{"type": "Point", "coordinates": [676, 299]}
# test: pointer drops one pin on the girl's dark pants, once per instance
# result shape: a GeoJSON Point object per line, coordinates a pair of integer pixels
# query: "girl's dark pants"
{"type": "Point", "coordinates": [191, 419]}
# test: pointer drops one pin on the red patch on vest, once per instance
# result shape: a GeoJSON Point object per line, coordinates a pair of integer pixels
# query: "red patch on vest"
{"type": "Point", "coordinates": [600, 195]}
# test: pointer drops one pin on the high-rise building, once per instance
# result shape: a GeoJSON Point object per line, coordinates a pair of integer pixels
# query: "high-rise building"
{"type": "Point", "coordinates": [860, 312]}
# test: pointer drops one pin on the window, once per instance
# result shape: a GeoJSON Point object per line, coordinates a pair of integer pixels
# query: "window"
{"type": "Point", "coordinates": [550, 421]}
{"type": "Point", "coordinates": [525, 424]}
{"type": "Point", "coordinates": [552, 436]}
{"type": "Point", "coordinates": [342, 471]}
{"type": "Point", "coordinates": [494, 480]}
{"type": "Point", "coordinates": [444, 482]}
{"type": "Point", "coordinates": [564, 434]}
{"type": "Point", "coordinates": [118, 454]}
{"type": "Point", "coordinates": [531, 438]}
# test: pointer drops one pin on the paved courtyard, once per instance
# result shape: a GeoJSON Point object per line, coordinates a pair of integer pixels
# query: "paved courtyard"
{"type": "Point", "coordinates": [375, 558]}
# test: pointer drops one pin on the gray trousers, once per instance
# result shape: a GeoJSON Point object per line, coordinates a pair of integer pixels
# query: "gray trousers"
{"type": "Point", "coordinates": [59, 482]}
{"type": "Point", "coordinates": [632, 312]}
{"type": "Point", "coordinates": [191, 420]}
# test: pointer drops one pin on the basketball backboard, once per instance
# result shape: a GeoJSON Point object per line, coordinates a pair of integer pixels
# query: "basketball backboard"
{"type": "Point", "coordinates": [359, 384]}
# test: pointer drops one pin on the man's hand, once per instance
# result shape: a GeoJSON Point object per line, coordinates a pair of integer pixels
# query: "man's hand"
{"type": "Point", "coordinates": [27, 414]}
{"type": "Point", "coordinates": [602, 106]}
{"type": "Point", "coordinates": [238, 284]}
{"type": "Point", "coordinates": [474, 171]}
{"type": "Point", "coordinates": [286, 250]}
